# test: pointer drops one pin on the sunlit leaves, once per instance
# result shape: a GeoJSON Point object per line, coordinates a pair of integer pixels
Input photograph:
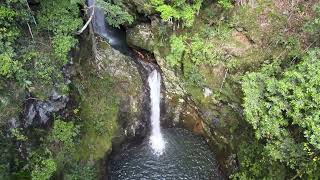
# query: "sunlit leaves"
{"type": "Point", "coordinates": [44, 169]}
{"type": "Point", "coordinates": [7, 65]}
{"type": "Point", "coordinates": [314, 25]}
{"type": "Point", "coordinates": [115, 13]}
{"type": "Point", "coordinates": [177, 49]}
{"type": "Point", "coordinates": [225, 4]}
{"type": "Point", "coordinates": [64, 133]}
{"type": "Point", "coordinates": [61, 47]}
{"type": "Point", "coordinates": [59, 16]}
{"type": "Point", "coordinates": [177, 10]}
{"type": "Point", "coordinates": [284, 110]}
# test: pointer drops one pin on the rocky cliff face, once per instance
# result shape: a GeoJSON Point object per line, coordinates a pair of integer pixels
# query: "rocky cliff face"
{"type": "Point", "coordinates": [196, 109]}
{"type": "Point", "coordinates": [111, 96]}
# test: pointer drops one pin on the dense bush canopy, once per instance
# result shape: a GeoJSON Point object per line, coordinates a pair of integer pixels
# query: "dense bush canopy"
{"type": "Point", "coordinates": [284, 111]}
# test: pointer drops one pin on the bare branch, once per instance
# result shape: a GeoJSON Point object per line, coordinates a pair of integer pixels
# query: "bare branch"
{"type": "Point", "coordinates": [88, 22]}
{"type": "Point", "coordinates": [224, 79]}
{"type": "Point", "coordinates": [30, 31]}
{"type": "Point", "coordinates": [34, 20]}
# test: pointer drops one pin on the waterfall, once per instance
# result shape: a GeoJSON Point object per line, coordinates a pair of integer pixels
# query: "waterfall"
{"type": "Point", "coordinates": [116, 37]}
{"type": "Point", "coordinates": [156, 139]}
{"type": "Point", "coordinates": [98, 21]}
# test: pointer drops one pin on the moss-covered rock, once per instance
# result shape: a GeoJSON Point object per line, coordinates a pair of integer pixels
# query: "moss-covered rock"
{"type": "Point", "coordinates": [141, 36]}
{"type": "Point", "coordinates": [98, 111]}
{"type": "Point", "coordinates": [110, 90]}
{"type": "Point", "coordinates": [142, 6]}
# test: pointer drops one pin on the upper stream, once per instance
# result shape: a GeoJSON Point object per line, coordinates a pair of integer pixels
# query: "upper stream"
{"type": "Point", "coordinates": [116, 37]}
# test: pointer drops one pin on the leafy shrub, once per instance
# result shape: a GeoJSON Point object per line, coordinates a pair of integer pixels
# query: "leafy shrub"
{"type": "Point", "coordinates": [254, 164]}
{"type": "Point", "coordinates": [80, 171]}
{"type": "Point", "coordinates": [177, 10]}
{"type": "Point", "coordinates": [200, 51]}
{"type": "Point", "coordinates": [115, 13]}
{"type": "Point", "coordinates": [8, 33]}
{"type": "Point", "coordinates": [37, 59]}
{"type": "Point", "coordinates": [7, 66]}
{"type": "Point", "coordinates": [178, 47]}
{"type": "Point", "coordinates": [61, 47]}
{"type": "Point", "coordinates": [225, 4]}
{"type": "Point", "coordinates": [188, 53]}
{"type": "Point", "coordinates": [62, 19]}
{"type": "Point", "coordinates": [313, 25]}
{"type": "Point", "coordinates": [18, 135]}
{"type": "Point", "coordinates": [64, 133]}
{"type": "Point", "coordinates": [44, 170]}
{"type": "Point", "coordinates": [283, 109]}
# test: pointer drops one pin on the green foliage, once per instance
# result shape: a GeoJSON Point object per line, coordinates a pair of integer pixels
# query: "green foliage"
{"type": "Point", "coordinates": [115, 13]}
{"type": "Point", "coordinates": [55, 152]}
{"type": "Point", "coordinates": [35, 62]}
{"type": "Point", "coordinates": [200, 51]}
{"type": "Point", "coordinates": [177, 10]}
{"type": "Point", "coordinates": [255, 164]}
{"type": "Point", "coordinates": [11, 101]}
{"type": "Point", "coordinates": [283, 109]}
{"type": "Point", "coordinates": [167, 12]}
{"type": "Point", "coordinates": [178, 47]}
{"type": "Point", "coordinates": [8, 33]}
{"type": "Point", "coordinates": [16, 132]}
{"type": "Point", "coordinates": [64, 133]}
{"type": "Point", "coordinates": [61, 47]}
{"type": "Point", "coordinates": [189, 53]}
{"type": "Point", "coordinates": [80, 171]}
{"type": "Point", "coordinates": [44, 169]}
{"type": "Point", "coordinates": [7, 152]}
{"type": "Point", "coordinates": [7, 65]}
{"type": "Point", "coordinates": [196, 49]}
{"type": "Point", "coordinates": [99, 111]}
{"type": "Point", "coordinates": [61, 18]}
{"type": "Point", "coordinates": [313, 26]}
{"type": "Point", "coordinates": [225, 4]}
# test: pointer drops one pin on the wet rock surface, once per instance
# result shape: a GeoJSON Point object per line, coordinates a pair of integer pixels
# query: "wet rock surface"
{"type": "Point", "coordinates": [141, 36]}
{"type": "Point", "coordinates": [128, 86]}
{"type": "Point", "coordinates": [39, 112]}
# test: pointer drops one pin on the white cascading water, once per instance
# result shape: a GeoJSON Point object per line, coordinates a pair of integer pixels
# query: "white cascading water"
{"type": "Point", "coordinates": [99, 23]}
{"type": "Point", "coordinates": [156, 140]}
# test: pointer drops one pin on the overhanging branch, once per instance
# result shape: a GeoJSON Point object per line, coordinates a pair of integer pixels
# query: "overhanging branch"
{"type": "Point", "coordinates": [88, 22]}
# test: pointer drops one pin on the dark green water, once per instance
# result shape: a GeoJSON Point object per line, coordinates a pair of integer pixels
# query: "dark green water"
{"type": "Point", "coordinates": [186, 156]}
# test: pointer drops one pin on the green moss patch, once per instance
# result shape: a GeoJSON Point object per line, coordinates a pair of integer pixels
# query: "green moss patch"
{"type": "Point", "coordinates": [99, 109]}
